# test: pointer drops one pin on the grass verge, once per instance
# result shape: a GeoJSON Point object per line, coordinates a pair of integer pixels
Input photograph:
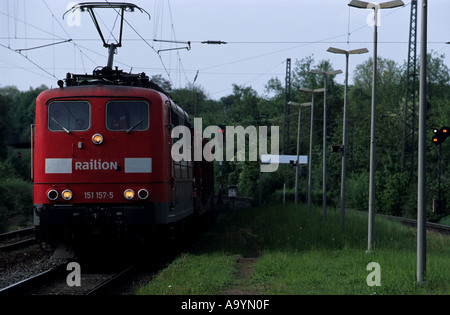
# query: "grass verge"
{"type": "Point", "coordinates": [298, 253]}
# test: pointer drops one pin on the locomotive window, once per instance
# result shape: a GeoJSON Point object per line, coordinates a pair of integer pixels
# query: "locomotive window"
{"type": "Point", "coordinates": [69, 116]}
{"type": "Point", "coordinates": [127, 116]}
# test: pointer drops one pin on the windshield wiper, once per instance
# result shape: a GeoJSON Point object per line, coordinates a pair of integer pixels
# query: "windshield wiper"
{"type": "Point", "coordinates": [64, 128]}
{"type": "Point", "coordinates": [131, 128]}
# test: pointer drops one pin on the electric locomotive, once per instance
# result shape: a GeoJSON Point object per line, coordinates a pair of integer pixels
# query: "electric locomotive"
{"type": "Point", "coordinates": [102, 164]}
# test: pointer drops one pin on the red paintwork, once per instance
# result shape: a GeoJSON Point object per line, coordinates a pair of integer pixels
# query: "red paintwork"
{"type": "Point", "coordinates": [117, 145]}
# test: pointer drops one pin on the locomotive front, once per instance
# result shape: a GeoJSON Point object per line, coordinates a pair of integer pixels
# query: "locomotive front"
{"type": "Point", "coordinates": [101, 162]}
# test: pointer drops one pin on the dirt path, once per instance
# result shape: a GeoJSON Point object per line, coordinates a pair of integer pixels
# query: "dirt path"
{"type": "Point", "coordinates": [242, 285]}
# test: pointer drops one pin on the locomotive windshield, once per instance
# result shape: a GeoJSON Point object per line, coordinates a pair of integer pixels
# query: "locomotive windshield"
{"type": "Point", "coordinates": [127, 116]}
{"type": "Point", "coordinates": [69, 116]}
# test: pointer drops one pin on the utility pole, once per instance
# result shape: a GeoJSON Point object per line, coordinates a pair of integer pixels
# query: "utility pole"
{"type": "Point", "coordinates": [344, 129]}
{"type": "Point", "coordinates": [324, 150]}
{"type": "Point", "coordinates": [421, 178]}
{"type": "Point", "coordinates": [366, 5]}
{"type": "Point", "coordinates": [311, 132]}
{"type": "Point", "coordinates": [409, 121]}
{"type": "Point", "coordinates": [287, 109]}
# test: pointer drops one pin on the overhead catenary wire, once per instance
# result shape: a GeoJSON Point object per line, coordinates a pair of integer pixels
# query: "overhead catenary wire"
{"type": "Point", "coordinates": [180, 63]}
{"type": "Point", "coordinates": [52, 37]}
{"type": "Point", "coordinates": [30, 60]}
{"type": "Point", "coordinates": [147, 43]}
{"type": "Point", "coordinates": [42, 46]}
{"type": "Point", "coordinates": [328, 40]}
{"type": "Point", "coordinates": [14, 66]}
{"type": "Point", "coordinates": [76, 46]}
{"type": "Point", "coordinates": [235, 42]}
{"type": "Point", "coordinates": [185, 69]}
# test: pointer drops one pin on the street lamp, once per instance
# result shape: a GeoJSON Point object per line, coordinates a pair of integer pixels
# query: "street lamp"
{"type": "Point", "coordinates": [310, 142]}
{"type": "Point", "coordinates": [421, 168]}
{"type": "Point", "coordinates": [297, 164]}
{"type": "Point", "coordinates": [367, 5]}
{"type": "Point", "coordinates": [324, 179]}
{"type": "Point", "coordinates": [344, 128]}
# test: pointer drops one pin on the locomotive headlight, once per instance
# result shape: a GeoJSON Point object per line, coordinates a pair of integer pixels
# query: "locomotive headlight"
{"type": "Point", "coordinates": [143, 194]}
{"type": "Point", "coordinates": [128, 194]}
{"type": "Point", "coordinates": [97, 138]}
{"type": "Point", "coordinates": [52, 194]}
{"type": "Point", "coordinates": [67, 194]}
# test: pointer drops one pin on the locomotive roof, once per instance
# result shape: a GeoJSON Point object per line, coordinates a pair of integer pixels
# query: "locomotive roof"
{"type": "Point", "coordinates": [108, 76]}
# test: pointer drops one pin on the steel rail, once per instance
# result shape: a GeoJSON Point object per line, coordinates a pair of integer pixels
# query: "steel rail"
{"type": "Point", "coordinates": [24, 286]}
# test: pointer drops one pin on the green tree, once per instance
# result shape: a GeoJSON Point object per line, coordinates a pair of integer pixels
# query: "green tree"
{"type": "Point", "coordinates": [4, 126]}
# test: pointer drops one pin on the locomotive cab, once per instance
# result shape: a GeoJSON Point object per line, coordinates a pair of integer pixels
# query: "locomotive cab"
{"type": "Point", "coordinates": [102, 163]}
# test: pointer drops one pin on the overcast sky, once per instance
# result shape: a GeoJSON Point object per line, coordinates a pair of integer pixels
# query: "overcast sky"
{"type": "Point", "coordinates": [260, 36]}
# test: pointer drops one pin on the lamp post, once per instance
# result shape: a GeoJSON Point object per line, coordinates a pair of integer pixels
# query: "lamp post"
{"type": "Point", "coordinates": [367, 5]}
{"type": "Point", "coordinates": [324, 169]}
{"type": "Point", "coordinates": [310, 143]}
{"type": "Point", "coordinates": [421, 178]}
{"type": "Point", "coordinates": [344, 128]}
{"type": "Point", "coordinates": [298, 145]}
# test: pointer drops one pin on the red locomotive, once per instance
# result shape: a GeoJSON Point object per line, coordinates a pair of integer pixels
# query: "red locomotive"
{"type": "Point", "coordinates": [102, 161]}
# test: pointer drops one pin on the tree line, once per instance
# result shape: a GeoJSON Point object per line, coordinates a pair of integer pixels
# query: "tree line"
{"type": "Point", "coordinates": [396, 188]}
{"type": "Point", "coordinates": [16, 116]}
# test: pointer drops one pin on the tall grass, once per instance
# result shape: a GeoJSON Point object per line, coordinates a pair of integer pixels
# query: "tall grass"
{"type": "Point", "coordinates": [298, 253]}
{"type": "Point", "coordinates": [193, 274]}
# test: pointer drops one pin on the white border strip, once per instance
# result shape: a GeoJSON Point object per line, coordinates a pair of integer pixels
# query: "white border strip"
{"type": "Point", "coordinates": [138, 165]}
{"type": "Point", "coordinates": [58, 166]}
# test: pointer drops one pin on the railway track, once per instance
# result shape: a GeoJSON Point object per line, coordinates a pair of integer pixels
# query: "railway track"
{"type": "Point", "coordinates": [13, 240]}
{"type": "Point", "coordinates": [56, 282]}
{"type": "Point", "coordinates": [434, 227]}
{"type": "Point", "coordinates": [103, 270]}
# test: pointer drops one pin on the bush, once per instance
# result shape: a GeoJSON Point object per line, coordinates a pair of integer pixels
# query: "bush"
{"type": "Point", "coordinates": [357, 191]}
{"type": "Point", "coordinates": [16, 196]}
{"type": "Point", "coordinates": [277, 196]}
{"type": "Point", "coordinates": [393, 197]}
